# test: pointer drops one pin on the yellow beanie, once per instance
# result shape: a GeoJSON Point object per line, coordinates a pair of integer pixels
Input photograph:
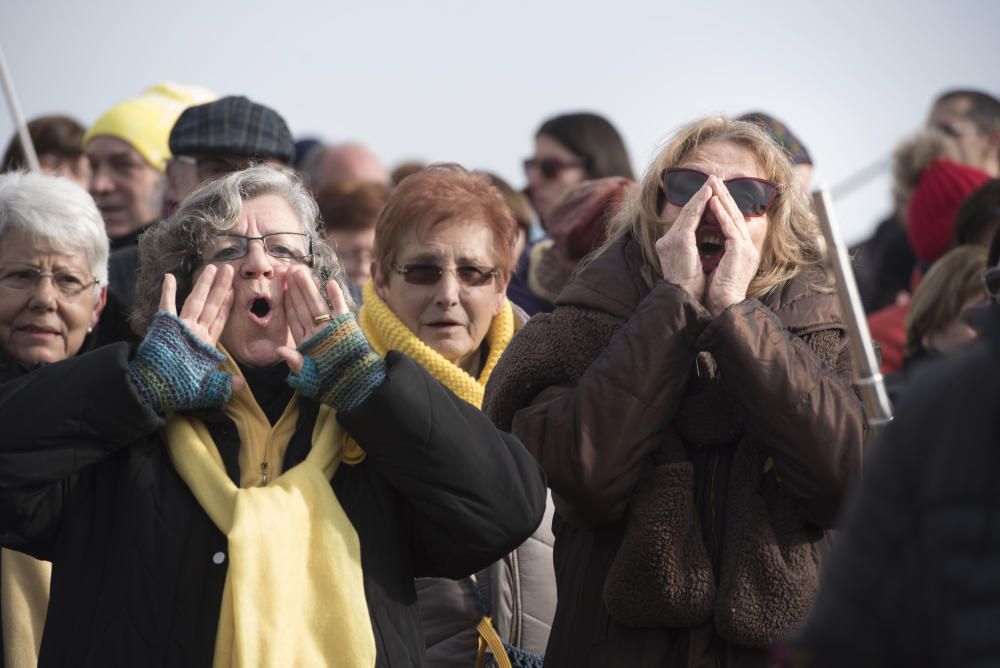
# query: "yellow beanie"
{"type": "Point", "coordinates": [145, 122]}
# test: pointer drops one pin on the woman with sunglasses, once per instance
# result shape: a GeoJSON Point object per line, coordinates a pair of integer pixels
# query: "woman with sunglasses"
{"type": "Point", "coordinates": [254, 486]}
{"type": "Point", "coordinates": [443, 256]}
{"type": "Point", "coordinates": [690, 402]}
{"type": "Point", "coordinates": [569, 149]}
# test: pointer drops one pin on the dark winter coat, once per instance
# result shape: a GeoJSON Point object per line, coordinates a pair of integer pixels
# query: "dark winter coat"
{"type": "Point", "coordinates": [914, 577]}
{"type": "Point", "coordinates": [690, 506]}
{"type": "Point", "coordinates": [138, 566]}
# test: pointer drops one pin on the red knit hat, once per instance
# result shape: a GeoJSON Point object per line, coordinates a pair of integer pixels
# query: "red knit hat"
{"type": "Point", "coordinates": [942, 187]}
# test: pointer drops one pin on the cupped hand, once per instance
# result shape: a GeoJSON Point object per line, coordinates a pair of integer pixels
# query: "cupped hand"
{"type": "Point", "coordinates": [731, 279]}
{"type": "Point", "coordinates": [677, 250]}
{"type": "Point", "coordinates": [303, 304]}
{"type": "Point", "coordinates": [207, 308]}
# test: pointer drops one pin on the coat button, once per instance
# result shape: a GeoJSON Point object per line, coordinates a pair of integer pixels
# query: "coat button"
{"type": "Point", "coordinates": [218, 558]}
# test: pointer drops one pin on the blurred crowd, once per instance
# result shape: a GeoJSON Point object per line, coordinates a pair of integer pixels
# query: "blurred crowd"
{"type": "Point", "coordinates": [593, 418]}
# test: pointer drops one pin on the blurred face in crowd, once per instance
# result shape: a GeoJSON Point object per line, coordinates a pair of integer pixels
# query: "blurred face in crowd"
{"type": "Point", "coordinates": [957, 334]}
{"type": "Point", "coordinates": [48, 300]}
{"type": "Point", "coordinates": [450, 311]}
{"type": "Point", "coordinates": [127, 189]}
{"type": "Point", "coordinates": [355, 251]}
{"type": "Point", "coordinates": [551, 171]}
{"type": "Point", "coordinates": [976, 148]}
{"type": "Point", "coordinates": [257, 324]}
{"type": "Point", "coordinates": [186, 173]}
{"type": "Point", "coordinates": [75, 168]}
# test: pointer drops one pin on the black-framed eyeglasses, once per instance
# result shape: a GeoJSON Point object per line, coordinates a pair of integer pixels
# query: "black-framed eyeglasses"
{"type": "Point", "coordinates": [429, 274]}
{"type": "Point", "coordinates": [550, 168]}
{"type": "Point", "coordinates": [280, 245]}
{"type": "Point", "coordinates": [991, 281]}
{"type": "Point", "coordinates": [68, 284]}
{"type": "Point", "coordinates": [753, 196]}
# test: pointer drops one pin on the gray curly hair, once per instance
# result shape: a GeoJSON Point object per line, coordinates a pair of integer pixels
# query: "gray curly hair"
{"type": "Point", "coordinates": [172, 245]}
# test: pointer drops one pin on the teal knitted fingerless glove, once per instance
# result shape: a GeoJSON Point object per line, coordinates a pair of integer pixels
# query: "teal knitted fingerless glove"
{"type": "Point", "coordinates": [340, 368]}
{"type": "Point", "coordinates": [174, 371]}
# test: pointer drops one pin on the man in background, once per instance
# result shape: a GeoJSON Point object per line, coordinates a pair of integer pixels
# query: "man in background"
{"type": "Point", "coordinates": [127, 150]}
{"type": "Point", "coordinates": [972, 119]}
{"type": "Point", "coordinates": [207, 141]}
{"type": "Point", "coordinates": [884, 263]}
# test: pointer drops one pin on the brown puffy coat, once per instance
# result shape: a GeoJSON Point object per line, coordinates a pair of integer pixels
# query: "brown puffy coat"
{"type": "Point", "coordinates": [691, 497]}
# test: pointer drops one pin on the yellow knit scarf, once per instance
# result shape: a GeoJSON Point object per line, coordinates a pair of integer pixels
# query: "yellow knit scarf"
{"type": "Point", "coordinates": [294, 593]}
{"type": "Point", "coordinates": [387, 332]}
{"type": "Point", "coordinates": [24, 600]}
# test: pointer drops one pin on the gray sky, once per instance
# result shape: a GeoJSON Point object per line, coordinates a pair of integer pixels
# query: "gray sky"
{"type": "Point", "coordinates": [470, 81]}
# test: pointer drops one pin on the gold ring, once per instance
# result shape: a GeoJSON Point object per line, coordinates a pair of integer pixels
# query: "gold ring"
{"type": "Point", "coordinates": [323, 318]}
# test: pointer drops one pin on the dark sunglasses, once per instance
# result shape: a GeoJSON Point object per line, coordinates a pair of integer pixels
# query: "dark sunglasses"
{"type": "Point", "coordinates": [550, 168]}
{"type": "Point", "coordinates": [753, 196]}
{"type": "Point", "coordinates": [991, 281]}
{"type": "Point", "coordinates": [430, 274]}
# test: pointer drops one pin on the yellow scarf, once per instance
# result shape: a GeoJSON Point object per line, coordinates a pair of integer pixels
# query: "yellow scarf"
{"type": "Point", "coordinates": [387, 332]}
{"type": "Point", "coordinates": [24, 600]}
{"type": "Point", "coordinates": [294, 592]}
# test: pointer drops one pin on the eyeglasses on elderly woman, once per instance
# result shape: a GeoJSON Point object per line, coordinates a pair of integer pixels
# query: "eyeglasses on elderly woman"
{"type": "Point", "coordinates": [280, 245]}
{"type": "Point", "coordinates": [753, 196]}
{"type": "Point", "coordinates": [68, 284]}
{"type": "Point", "coordinates": [429, 274]}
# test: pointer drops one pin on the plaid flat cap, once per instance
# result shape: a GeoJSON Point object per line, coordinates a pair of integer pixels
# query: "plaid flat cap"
{"type": "Point", "coordinates": [232, 125]}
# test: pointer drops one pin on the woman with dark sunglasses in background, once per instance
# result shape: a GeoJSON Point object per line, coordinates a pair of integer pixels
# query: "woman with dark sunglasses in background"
{"type": "Point", "coordinates": [443, 256]}
{"type": "Point", "coordinates": [690, 402]}
{"type": "Point", "coordinates": [569, 149]}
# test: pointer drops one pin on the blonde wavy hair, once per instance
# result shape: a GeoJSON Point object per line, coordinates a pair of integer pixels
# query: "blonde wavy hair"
{"type": "Point", "coordinates": [792, 241]}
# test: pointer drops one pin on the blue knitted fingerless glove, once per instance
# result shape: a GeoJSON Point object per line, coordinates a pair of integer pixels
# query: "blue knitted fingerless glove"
{"type": "Point", "coordinates": [173, 370]}
{"type": "Point", "coordinates": [340, 368]}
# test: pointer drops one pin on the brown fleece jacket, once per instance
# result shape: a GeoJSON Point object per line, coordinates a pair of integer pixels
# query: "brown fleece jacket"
{"type": "Point", "coordinates": [780, 412]}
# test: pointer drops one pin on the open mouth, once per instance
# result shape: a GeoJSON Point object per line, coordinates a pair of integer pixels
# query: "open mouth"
{"type": "Point", "coordinates": [443, 324]}
{"type": "Point", "coordinates": [260, 310]}
{"type": "Point", "coordinates": [711, 246]}
{"type": "Point", "coordinates": [260, 307]}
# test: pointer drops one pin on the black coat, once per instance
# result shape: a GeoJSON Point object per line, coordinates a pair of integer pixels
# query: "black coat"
{"type": "Point", "coordinates": [914, 575]}
{"type": "Point", "coordinates": [138, 567]}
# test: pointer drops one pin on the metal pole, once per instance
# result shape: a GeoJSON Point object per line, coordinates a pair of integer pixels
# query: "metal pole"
{"type": "Point", "coordinates": [15, 111]}
{"type": "Point", "coordinates": [869, 380]}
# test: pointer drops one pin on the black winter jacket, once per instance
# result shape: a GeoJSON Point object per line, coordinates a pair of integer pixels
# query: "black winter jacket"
{"type": "Point", "coordinates": [139, 568]}
{"type": "Point", "coordinates": [913, 578]}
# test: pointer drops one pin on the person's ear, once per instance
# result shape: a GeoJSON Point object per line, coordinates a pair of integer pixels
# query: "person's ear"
{"type": "Point", "coordinates": [172, 185]}
{"type": "Point", "coordinates": [994, 139]}
{"type": "Point", "coordinates": [102, 301]}
{"type": "Point", "coordinates": [380, 281]}
{"type": "Point", "coordinates": [501, 293]}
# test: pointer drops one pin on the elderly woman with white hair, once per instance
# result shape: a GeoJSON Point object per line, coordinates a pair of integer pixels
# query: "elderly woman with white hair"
{"type": "Point", "coordinates": [255, 486]}
{"type": "Point", "coordinates": [53, 278]}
